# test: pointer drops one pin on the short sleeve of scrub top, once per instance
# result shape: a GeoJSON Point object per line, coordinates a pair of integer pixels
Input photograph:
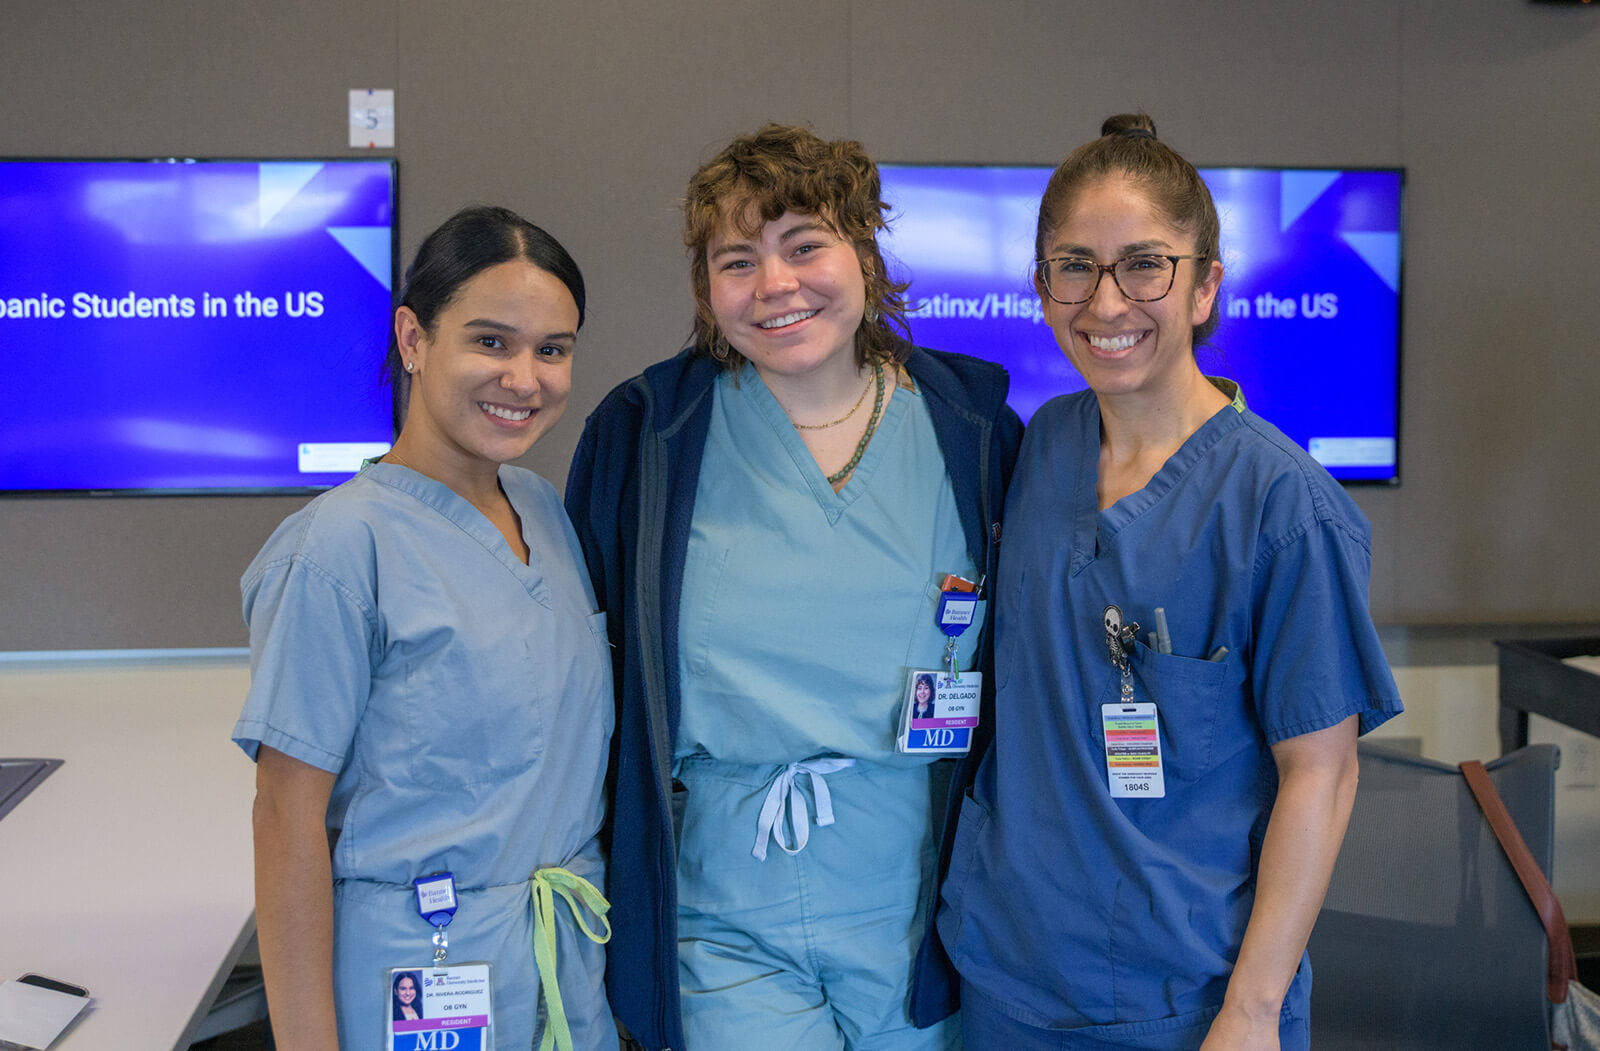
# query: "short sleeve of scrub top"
{"type": "Point", "coordinates": [1310, 670]}
{"type": "Point", "coordinates": [312, 639]}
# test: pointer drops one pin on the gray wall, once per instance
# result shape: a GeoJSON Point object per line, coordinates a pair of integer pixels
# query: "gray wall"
{"type": "Point", "coordinates": [589, 116]}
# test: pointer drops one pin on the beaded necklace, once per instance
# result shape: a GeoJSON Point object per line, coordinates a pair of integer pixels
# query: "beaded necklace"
{"type": "Point", "coordinates": [866, 436]}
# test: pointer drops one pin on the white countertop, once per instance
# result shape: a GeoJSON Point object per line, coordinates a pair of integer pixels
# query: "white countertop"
{"type": "Point", "coordinates": [128, 869]}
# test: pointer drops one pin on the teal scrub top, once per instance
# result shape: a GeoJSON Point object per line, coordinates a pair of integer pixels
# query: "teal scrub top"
{"type": "Point", "coordinates": [802, 608]}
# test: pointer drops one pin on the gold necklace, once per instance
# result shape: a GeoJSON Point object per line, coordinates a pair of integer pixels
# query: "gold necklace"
{"type": "Point", "coordinates": [392, 455]}
{"type": "Point", "coordinates": [824, 426]}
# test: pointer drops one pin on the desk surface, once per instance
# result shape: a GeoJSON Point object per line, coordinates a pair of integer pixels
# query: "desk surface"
{"type": "Point", "coordinates": [128, 870]}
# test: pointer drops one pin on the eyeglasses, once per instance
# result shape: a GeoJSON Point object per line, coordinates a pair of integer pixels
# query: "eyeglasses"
{"type": "Point", "coordinates": [1141, 278]}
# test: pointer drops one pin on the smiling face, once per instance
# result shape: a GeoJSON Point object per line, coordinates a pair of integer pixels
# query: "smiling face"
{"type": "Point", "coordinates": [924, 691]}
{"type": "Point", "coordinates": [405, 990]}
{"type": "Point", "coordinates": [790, 298]}
{"type": "Point", "coordinates": [1121, 347]}
{"type": "Point", "coordinates": [493, 375]}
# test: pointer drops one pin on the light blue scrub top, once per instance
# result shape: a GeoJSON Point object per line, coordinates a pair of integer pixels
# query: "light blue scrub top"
{"type": "Point", "coordinates": [464, 701]}
{"type": "Point", "coordinates": [803, 608]}
{"type": "Point", "coordinates": [1075, 909]}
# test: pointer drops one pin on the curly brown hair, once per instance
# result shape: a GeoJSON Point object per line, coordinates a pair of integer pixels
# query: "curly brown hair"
{"type": "Point", "coordinates": [787, 168]}
{"type": "Point", "coordinates": [1128, 146]}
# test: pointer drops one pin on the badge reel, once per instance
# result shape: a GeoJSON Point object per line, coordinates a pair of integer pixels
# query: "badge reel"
{"type": "Point", "coordinates": [1132, 727]}
{"type": "Point", "coordinates": [941, 705]}
{"type": "Point", "coordinates": [439, 1006]}
{"type": "Point", "coordinates": [436, 903]}
{"type": "Point", "coordinates": [957, 610]}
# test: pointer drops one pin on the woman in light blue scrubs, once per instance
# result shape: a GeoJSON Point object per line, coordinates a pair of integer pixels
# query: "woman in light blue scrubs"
{"type": "Point", "coordinates": [769, 517]}
{"type": "Point", "coordinates": [1177, 575]}
{"type": "Point", "coordinates": [430, 689]}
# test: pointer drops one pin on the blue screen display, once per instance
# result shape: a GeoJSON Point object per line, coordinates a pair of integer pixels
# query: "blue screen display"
{"type": "Point", "coordinates": [1310, 300]}
{"type": "Point", "coordinates": [193, 326]}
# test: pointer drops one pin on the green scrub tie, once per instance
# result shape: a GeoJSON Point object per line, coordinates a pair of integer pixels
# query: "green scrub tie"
{"type": "Point", "coordinates": [546, 884]}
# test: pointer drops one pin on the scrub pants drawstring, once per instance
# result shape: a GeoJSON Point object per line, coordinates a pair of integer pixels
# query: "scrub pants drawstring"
{"type": "Point", "coordinates": [785, 802]}
{"type": "Point", "coordinates": [545, 885]}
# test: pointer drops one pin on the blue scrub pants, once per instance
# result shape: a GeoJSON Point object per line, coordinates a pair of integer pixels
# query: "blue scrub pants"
{"type": "Point", "coordinates": [810, 951]}
{"type": "Point", "coordinates": [987, 1026]}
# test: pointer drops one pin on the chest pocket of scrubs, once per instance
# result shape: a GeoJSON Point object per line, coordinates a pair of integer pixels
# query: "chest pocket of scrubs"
{"type": "Point", "coordinates": [597, 629]}
{"type": "Point", "coordinates": [477, 689]}
{"type": "Point", "coordinates": [702, 580]}
{"type": "Point", "coordinates": [1189, 695]}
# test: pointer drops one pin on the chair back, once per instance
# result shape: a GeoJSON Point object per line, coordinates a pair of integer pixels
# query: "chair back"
{"type": "Point", "coordinates": [1426, 939]}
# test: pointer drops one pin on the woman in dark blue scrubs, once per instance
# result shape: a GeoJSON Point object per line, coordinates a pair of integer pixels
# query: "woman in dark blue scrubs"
{"type": "Point", "coordinates": [1185, 658]}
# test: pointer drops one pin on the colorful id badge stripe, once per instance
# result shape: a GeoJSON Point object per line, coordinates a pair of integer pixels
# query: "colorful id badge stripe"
{"type": "Point", "coordinates": [1133, 750]}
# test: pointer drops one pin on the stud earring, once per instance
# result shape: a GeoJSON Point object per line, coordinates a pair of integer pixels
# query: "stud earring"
{"type": "Point", "coordinates": [411, 366]}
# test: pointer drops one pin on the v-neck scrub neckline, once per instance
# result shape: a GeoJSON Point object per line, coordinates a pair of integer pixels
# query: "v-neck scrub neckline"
{"type": "Point", "coordinates": [460, 512]}
{"type": "Point", "coordinates": [1095, 529]}
{"type": "Point", "coordinates": [752, 388]}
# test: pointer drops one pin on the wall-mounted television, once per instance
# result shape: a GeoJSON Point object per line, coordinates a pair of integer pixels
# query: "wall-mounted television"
{"type": "Point", "coordinates": [1310, 299]}
{"type": "Point", "coordinates": [193, 326]}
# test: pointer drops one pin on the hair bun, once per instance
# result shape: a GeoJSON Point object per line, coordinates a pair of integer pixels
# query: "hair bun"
{"type": "Point", "coordinates": [1137, 125]}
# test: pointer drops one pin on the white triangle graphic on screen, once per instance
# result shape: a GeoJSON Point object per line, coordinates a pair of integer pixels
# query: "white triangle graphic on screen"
{"type": "Point", "coordinates": [1298, 191]}
{"type": "Point", "coordinates": [279, 184]}
{"type": "Point", "coordinates": [1381, 251]}
{"type": "Point", "coordinates": [370, 247]}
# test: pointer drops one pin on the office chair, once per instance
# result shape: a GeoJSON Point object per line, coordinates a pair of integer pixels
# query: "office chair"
{"type": "Point", "coordinates": [1426, 940]}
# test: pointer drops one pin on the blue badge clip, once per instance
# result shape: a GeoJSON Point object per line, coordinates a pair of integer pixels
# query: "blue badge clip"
{"type": "Point", "coordinates": [957, 609]}
{"type": "Point", "coordinates": [436, 898]}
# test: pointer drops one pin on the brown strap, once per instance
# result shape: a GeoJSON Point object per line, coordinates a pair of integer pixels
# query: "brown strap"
{"type": "Point", "coordinates": [1563, 963]}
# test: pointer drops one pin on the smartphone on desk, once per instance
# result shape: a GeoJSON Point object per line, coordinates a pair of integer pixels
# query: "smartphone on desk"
{"type": "Point", "coordinates": [53, 984]}
{"type": "Point", "coordinates": [36, 1009]}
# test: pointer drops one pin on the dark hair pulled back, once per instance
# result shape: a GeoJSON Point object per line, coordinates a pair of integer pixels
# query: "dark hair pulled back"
{"type": "Point", "coordinates": [1128, 147]}
{"type": "Point", "coordinates": [466, 244]}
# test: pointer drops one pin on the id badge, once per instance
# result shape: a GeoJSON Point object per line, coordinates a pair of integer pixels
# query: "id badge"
{"type": "Point", "coordinates": [439, 1008]}
{"type": "Point", "coordinates": [1133, 750]}
{"type": "Point", "coordinates": [939, 713]}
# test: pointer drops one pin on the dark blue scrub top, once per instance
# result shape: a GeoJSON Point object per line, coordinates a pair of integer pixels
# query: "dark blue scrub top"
{"type": "Point", "coordinates": [1071, 908]}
